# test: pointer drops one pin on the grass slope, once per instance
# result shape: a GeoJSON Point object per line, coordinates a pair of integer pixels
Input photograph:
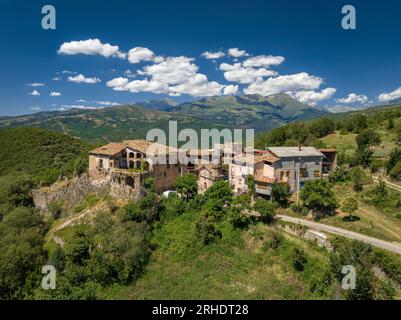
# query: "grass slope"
{"type": "Point", "coordinates": [239, 266]}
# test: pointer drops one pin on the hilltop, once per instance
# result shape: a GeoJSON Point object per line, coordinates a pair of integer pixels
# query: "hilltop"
{"type": "Point", "coordinates": [250, 111]}
{"type": "Point", "coordinates": [134, 121]}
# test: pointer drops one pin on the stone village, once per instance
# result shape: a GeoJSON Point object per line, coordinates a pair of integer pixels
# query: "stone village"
{"type": "Point", "coordinates": [128, 163]}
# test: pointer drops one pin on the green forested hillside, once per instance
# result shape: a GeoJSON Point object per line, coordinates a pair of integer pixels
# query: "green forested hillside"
{"type": "Point", "coordinates": [134, 121]}
{"type": "Point", "coordinates": [250, 111]}
{"type": "Point", "coordinates": [42, 154]}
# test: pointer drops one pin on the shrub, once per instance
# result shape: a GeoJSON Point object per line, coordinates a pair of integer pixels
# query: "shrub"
{"type": "Point", "coordinates": [281, 193]}
{"type": "Point", "coordinates": [318, 196]}
{"type": "Point", "coordinates": [205, 229]}
{"type": "Point", "coordinates": [298, 259]}
{"type": "Point", "coordinates": [266, 209]}
{"type": "Point", "coordinates": [299, 209]}
{"type": "Point", "coordinates": [187, 186]}
{"type": "Point", "coordinates": [273, 241]}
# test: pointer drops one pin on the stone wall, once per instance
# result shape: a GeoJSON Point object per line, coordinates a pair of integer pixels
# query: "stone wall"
{"type": "Point", "coordinates": [74, 191]}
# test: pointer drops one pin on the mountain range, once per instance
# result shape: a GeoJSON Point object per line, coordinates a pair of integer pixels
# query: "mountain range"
{"type": "Point", "coordinates": [133, 121]}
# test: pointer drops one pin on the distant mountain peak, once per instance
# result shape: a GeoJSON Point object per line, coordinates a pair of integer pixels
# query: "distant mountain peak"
{"type": "Point", "coordinates": [158, 104]}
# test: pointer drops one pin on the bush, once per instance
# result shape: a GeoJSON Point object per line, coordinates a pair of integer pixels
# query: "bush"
{"type": "Point", "coordinates": [173, 206]}
{"type": "Point", "coordinates": [273, 241]}
{"type": "Point", "coordinates": [281, 193]}
{"type": "Point", "coordinates": [187, 186]}
{"type": "Point", "coordinates": [339, 175]}
{"type": "Point", "coordinates": [56, 209]}
{"type": "Point", "coordinates": [298, 259]}
{"type": "Point", "coordinates": [132, 212]}
{"type": "Point", "coordinates": [205, 229]}
{"type": "Point", "coordinates": [395, 172]}
{"type": "Point", "coordinates": [318, 196]}
{"type": "Point", "coordinates": [299, 209]}
{"type": "Point", "coordinates": [266, 209]}
{"type": "Point", "coordinates": [218, 196]}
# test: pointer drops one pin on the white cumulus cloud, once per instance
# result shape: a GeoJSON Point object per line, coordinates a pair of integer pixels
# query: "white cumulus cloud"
{"type": "Point", "coordinates": [263, 61]}
{"type": "Point", "coordinates": [173, 70]}
{"type": "Point", "coordinates": [118, 84]}
{"type": "Point", "coordinates": [36, 84]}
{"type": "Point", "coordinates": [353, 98]}
{"type": "Point", "coordinates": [236, 53]}
{"type": "Point", "coordinates": [55, 94]}
{"type": "Point", "coordinates": [138, 54]}
{"type": "Point", "coordinates": [311, 97]}
{"type": "Point", "coordinates": [91, 47]}
{"type": "Point", "coordinates": [198, 86]}
{"type": "Point", "coordinates": [82, 79]}
{"type": "Point", "coordinates": [390, 95]}
{"type": "Point", "coordinates": [34, 93]}
{"type": "Point", "coordinates": [230, 89]}
{"type": "Point", "coordinates": [237, 73]}
{"type": "Point", "coordinates": [213, 55]}
{"type": "Point", "coordinates": [293, 82]}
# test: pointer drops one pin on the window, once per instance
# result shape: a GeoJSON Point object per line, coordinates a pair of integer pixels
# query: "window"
{"type": "Point", "coordinates": [303, 173]}
{"type": "Point", "coordinates": [100, 163]}
{"type": "Point", "coordinates": [317, 173]}
{"type": "Point", "coordinates": [284, 175]}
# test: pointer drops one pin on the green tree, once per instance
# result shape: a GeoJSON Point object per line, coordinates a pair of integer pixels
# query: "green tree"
{"type": "Point", "coordinates": [390, 124]}
{"type": "Point", "coordinates": [21, 253]}
{"type": "Point", "coordinates": [356, 174]}
{"type": "Point", "coordinates": [393, 158]}
{"type": "Point", "coordinates": [266, 209]}
{"type": "Point", "coordinates": [19, 191]}
{"type": "Point", "coordinates": [318, 196]}
{"type": "Point", "coordinates": [350, 206]}
{"type": "Point", "coordinates": [173, 206]}
{"type": "Point", "coordinates": [250, 182]}
{"type": "Point", "coordinates": [366, 140]}
{"type": "Point", "coordinates": [149, 185]}
{"type": "Point", "coordinates": [77, 249]}
{"type": "Point", "coordinates": [132, 212]}
{"type": "Point", "coordinates": [395, 172]}
{"type": "Point", "coordinates": [322, 127]}
{"type": "Point", "coordinates": [298, 259]}
{"type": "Point", "coordinates": [205, 228]}
{"type": "Point", "coordinates": [281, 193]}
{"type": "Point", "coordinates": [218, 196]}
{"type": "Point", "coordinates": [187, 186]}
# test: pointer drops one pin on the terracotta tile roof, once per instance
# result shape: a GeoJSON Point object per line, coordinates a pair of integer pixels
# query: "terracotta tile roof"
{"type": "Point", "coordinates": [267, 157]}
{"type": "Point", "coordinates": [110, 149]}
{"type": "Point", "coordinates": [143, 145]}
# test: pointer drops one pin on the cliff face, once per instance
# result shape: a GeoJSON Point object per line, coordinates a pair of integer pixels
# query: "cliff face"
{"type": "Point", "coordinates": [74, 191]}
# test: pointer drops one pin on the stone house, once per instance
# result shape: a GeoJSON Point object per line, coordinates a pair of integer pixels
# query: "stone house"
{"type": "Point", "coordinates": [130, 162]}
{"type": "Point", "coordinates": [208, 175]}
{"type": "Point", "coordinates": [292, 165]}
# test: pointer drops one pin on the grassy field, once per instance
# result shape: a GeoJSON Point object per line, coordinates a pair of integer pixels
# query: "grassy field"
{"type": "Point", "coordinates": [347, 142]}
{"type": "Point", "coordinates": [239, 266]}
{"type": "Point", "coordinates": [374, 222]}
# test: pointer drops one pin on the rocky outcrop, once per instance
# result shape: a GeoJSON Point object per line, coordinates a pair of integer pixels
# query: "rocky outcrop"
{"type": "Point", "coordinates": [74, 190]}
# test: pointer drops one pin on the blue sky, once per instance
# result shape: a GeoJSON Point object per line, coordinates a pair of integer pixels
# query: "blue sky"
{"type": "Point", "coordinates": [289, 46]}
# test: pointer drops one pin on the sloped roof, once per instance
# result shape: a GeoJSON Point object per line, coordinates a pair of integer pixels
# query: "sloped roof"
{"type": "Point", "coordinates": [143, 145]}
{"type": "Point", "coordinates": [286, 152]}
{"type": "Point", "coordinates": [109, 149]}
